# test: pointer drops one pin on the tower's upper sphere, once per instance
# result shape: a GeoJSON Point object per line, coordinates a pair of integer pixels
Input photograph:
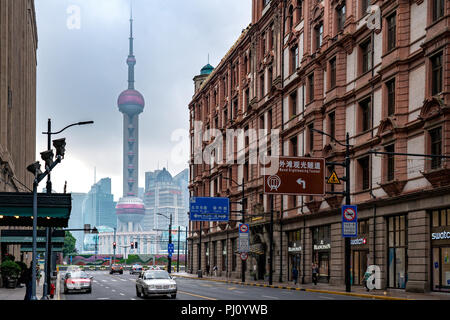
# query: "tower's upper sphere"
{"type": "Point", "coordinates": [131, 102]}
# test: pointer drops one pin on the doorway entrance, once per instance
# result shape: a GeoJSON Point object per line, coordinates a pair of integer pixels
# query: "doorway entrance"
{"type": "Point", "coordinates": [359, 266]}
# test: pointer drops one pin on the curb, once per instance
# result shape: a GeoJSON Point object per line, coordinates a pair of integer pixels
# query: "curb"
{"type": "Point", "coordinates": [360, 295]}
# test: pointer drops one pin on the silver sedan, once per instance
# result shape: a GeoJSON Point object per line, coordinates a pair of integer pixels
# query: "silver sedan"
{"type": "Point", "coordinates": [156, 283]}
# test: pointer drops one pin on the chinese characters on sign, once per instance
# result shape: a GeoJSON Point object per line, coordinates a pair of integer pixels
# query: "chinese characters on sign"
{"type": "Point", "coordinates": [296, 176]}
{"type": "Point", "coordinates": [209, 209]}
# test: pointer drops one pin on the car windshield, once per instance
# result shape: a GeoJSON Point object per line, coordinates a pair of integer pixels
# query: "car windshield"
{"type": "Point", "coordinates": [156, 275]}
{"type": "Point", "coordinates": [79, 275]}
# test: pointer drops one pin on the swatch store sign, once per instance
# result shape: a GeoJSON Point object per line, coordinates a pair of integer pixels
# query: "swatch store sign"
{"type": "Point", "coordinates": [444, 235]}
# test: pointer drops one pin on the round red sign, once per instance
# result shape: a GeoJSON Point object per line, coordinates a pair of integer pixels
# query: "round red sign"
{"type": "Point", "coordinates": [349, 214]}
{"type": "Point", "coordinates": [243, 228]}
{"type": "Point", "coordinates": [244, 255]}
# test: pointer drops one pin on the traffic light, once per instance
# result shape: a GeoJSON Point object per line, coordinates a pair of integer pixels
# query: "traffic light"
{"type": "Point", "coordinates": [132, 245]}
{"type": "Point", "coordinates": [135, 245]}
{"type": "Point", "coordinates": [114, 245]}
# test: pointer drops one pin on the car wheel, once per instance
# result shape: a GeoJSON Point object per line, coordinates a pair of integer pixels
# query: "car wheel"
{"type": "Point", "coordinates": [89, 291]}
{"type": "Point", "coordinates": [138, 293]}
{"type": "Point", "coordinates": [173, 296]}
{"type": "Point", "coordinates": [121, 272]}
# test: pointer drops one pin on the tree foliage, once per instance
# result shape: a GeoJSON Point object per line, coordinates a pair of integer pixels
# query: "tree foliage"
{"type": "Point", "coordinates": [69, 244]}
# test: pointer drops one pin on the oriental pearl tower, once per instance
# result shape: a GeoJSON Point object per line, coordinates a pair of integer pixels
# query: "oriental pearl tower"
{"type": "Point", "coordinates": [130, 209]}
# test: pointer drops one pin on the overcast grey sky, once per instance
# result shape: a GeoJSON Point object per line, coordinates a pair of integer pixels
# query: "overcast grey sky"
{"type": "Point", "coordinates": [82, 71]}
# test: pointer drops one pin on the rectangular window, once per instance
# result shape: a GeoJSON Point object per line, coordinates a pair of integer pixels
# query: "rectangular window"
{"type": "Point", "coordinates": [263, 43]}
{"type": "Point", "coordinates": [397, 267]}
{"type": "Point", "coordinates": [391, 32]}
{"type": "Point", "coordinates": [235, 109]}
{"type": "Point", "coordinates": [294, 59]}
{"type": "Point", "coordinates": [436, 146]}
{"type": "Point", "coordinates": [365, 173]}
{"type": "Point", "coordinates": [294, 146]}
{"type": "Point", "coordinates": [436, 74]}
{"type": "Point", "coordinates": [311, 137]}
{"type": "Point", "coordinates": [365, 114]}
{"type": "Point", "coordinates": [333, 73]}
{"type": "Point", "coordinates": [261, 122]}
{"type": "Point", "coordinates": [261, 83]}
{"type": "Point", "coordinates": [390, 87]}
{"type": "Point", "coordinates": [332, 123]}
{"type": "Point", "coordinates": [364, 5]}
{"type": "Point", "coordinates": [438, 9]}
{"type": "Point", "coordinates": [293, 103]}
{"type": "Point", "coordinates": [247, 96]}
{"type": "Point", "coordinates": [366, 55]}
{"type": "Point", "coordinates": [225, 87]}
{"type": "Point", "coordinates": [269, 120]}
{"type": "Point", "coordinates": [390, 163]}
{"type": "Point", "coordinates": [311, 87]}
{"type": "Point", "coordinates": [319, 35]}
{"type": "Point", "coordinates": [340, 18]}
{"type": "Point", "coordinates": [270, 80]}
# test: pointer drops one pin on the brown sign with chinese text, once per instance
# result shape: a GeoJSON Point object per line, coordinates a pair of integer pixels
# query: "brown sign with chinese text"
{"type": "Point", "coordinates": [295, 176]}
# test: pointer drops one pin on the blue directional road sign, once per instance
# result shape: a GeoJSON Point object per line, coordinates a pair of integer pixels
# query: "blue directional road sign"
{"type": "Point", "coordinates": [170, 248]}
{"type": "Point", "coordinates": [349, 221]}
{"type": "Point", "coordinates": [209, 209]}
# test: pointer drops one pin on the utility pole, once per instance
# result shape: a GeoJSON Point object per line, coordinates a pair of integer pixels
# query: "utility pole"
{"type": "Point", "coordinates": [170, 242]}
{"type": "Point", "coordinates": [347, 202]}
{"type": "Point", "coordinates": [199, 272]}
{"type": "Point", "coordinates": [114, 248]}
{"type": "Point", "coordinates": [243, 221]}
{"type": "Point", "coordinates": [178, 251]}
{"type": "Point", "coordinates": [271, 241]}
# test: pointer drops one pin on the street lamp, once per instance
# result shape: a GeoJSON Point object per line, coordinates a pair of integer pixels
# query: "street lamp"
{"type": "Point", "coordinates": [35, 169]}
{"type": "Point", "coordinates": [346, 164]}
{"type": "Point", "coordinates": [169, 257]}
{"type": "Point", "coordinates": [242, 220]}
{"type": "Point", "coordinates": [60, 145]}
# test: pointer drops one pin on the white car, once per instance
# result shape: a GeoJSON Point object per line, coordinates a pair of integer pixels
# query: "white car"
{"type": "Point", "coordinates": [156, 283]}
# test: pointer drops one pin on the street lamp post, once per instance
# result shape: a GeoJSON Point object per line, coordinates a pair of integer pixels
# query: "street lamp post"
{"type": "Point", "coordinates": [169, 257]}
{"type": "Point", "coordinates": [346, 165]}
{"type": "Point", "coordinates": [242, 220]}
{"type": "Point", "coordinates": [38, 177]}
{"type": "Point", "coordinates": [48, 246]}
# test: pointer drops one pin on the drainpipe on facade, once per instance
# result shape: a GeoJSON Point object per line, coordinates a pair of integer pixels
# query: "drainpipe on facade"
{"type": "Point", "coordinates": [374, 228]}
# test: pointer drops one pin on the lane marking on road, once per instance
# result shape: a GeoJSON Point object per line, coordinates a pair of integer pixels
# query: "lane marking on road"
{"type": "Point", "coordinates": [325, 297]}
{"type": "Point", "coordinates": [122, 294]}
{"type": "Point", "coordinates": [114, 280]}
{"type": "Point", "coordinates": [106, 287]}
{"type": "Point", "coordinates": [270, 297]}
{"type": "Point", "coordinates": [103, 298]}
{"type": "Point", "coordinates": [102, 279]}
{"type": "Point", "coordinates": [123, 280]}
{"type": "Point", "coordinates": [196, 295]}
{"type": "Point", "coordinates": [113, 290]}
{"type": "Point", "coordinates": [232, 288]}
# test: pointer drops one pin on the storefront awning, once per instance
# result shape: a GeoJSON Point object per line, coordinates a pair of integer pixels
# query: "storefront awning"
{"type": "Point", "coordinates": [24, 238]}
{"type": "Point", "coordinates": [16, 209]}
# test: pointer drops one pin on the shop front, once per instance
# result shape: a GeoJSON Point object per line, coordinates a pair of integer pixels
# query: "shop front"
{"type": "Point", "coordinates": [359, 253]}
{"type": "Point", "coordinates": [440, 244]}
{"type": "Point", "coordinates": [359, 258]}
{"type": "Point", "coordinates": [322, 251]}
{"type": "Point", "coordinates": [294, 252]}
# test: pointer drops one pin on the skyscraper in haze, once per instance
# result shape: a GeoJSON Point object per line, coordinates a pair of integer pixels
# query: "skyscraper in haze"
{"type": "Point", "coordinates": [130, 209]}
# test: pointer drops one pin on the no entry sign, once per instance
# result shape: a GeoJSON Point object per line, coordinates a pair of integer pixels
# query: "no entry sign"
{"type": "Point", "coordinates": [294, 176]}
{"type": "Point", "coordinates": [349, 221]}
{"type": "Point", "coordinates": [244, 256]}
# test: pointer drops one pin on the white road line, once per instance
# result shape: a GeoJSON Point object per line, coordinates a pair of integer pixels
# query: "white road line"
{"type": "Point", "coordinates": [106, 287]}
{"type": "Point", "coordinates": [270, 297]}
{"type": "Point", "coordinates": [113, 290]}
{"type": "Point", "coordinates": [122, 294]}
{"type": "Point", "coordinates": [123, 280]}
{"type": "Point", "coordinates": [103, 298]}
{"type": "Point", "coordinates": [113, 280]}
{"type": "Point", "coordinates": [102, 279]}
{"type": "Point", "coordinates": [325, 297]}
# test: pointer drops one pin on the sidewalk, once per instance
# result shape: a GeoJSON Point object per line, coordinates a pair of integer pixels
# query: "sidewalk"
{"type": "Point", "coordinates": [358, 291]}
{"type": "Point", "coordinates": [19, 293]}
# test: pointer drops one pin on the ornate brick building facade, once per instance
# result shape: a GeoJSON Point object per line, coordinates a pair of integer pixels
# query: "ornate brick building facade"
{"type": "Point", "coordinates": [18, 45]}
{"type": "Point", "coordinates": [378, 70]}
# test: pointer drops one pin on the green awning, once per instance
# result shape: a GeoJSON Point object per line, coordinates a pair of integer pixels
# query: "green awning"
{"type": "Point", "coordinates": [53, 210]}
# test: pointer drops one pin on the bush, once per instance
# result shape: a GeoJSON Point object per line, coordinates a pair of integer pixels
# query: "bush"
{"type": "Point", "coordinates": [10, 269]}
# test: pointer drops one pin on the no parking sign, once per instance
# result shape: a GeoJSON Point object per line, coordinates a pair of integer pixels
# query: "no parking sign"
{"type": "Point", "coordinates": [349, 221]}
